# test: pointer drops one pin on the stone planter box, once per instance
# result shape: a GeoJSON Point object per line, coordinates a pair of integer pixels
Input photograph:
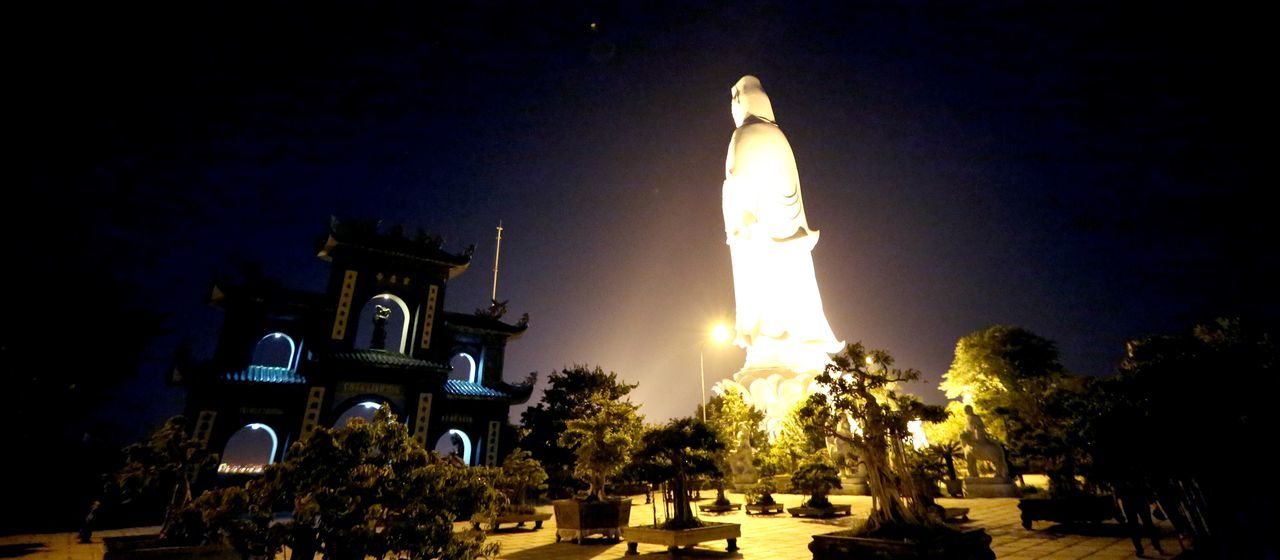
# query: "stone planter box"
{"type": "Point", "coordinates": [577, 520]}
{"type": "Point", "coordinates": [805, 511]}
{"type": "Point", "coordinates": [517, 518]}
{"type": "Point", "coordinates": [970, 544]}
{"type": "Point", "coordinates": [676, 538]}
{"type": "Point", "coordinates": [713, 508]}
{"type": "Point", "coordinates": [149, 547]}
{"type": "Point", "coordinates": [955, 514]}
{"type": "Point", "coordinates": [764, 508]}
{"type": "Point", "coordinates": [988, 487]}
{"type": "Point", "coordinates": [1082, 509]}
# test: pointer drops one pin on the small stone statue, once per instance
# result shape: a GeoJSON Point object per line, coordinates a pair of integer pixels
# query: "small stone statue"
{"type": "Point", "coordinates": [380, 315]}
{"type": "Point", "coordinates": [740, 462]}
{"type": "Point", "coordinates": [978, 446]}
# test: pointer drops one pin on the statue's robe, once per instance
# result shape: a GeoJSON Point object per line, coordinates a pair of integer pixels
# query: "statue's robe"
{"type": "Point", "coordinates": [780, 320]}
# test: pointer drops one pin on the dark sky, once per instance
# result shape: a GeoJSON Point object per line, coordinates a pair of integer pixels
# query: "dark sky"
{"type": "Point", "coordinates": [1089, 173]}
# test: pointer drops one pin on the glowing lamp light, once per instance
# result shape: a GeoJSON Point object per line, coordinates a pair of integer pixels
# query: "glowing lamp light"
{"type": "Point", "coordinates": [370, 404]}
{"type": "Point", "coordinates": [721, 334]}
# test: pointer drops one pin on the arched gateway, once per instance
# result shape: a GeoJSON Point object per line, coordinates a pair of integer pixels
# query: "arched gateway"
{"type": "Point", "coordinates": [292, 361]}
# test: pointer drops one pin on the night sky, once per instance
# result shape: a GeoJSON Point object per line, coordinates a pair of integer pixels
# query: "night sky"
{"type": "Point", "coordinates": [1087, 173]}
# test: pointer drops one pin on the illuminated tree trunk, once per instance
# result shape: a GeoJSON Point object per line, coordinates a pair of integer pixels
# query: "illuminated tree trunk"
{"type": "Point", "coordinates": [888, 505]}
{"type": "Point", "coordinates": [684, 510]}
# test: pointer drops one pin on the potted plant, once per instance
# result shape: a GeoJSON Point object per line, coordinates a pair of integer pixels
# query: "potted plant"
{"type": "Point", "coordinates": [760, 500]}
{"type": "Point", "coordinates": [519, 474]}
{"type": "Point", "coordinates": [674, 455]}
{"type": "Point", "coordinates": [859, 386]}
{"type": "Point", "coordinates": [602, 443]}
{"type": "Point", "coordinates": [816, 479]}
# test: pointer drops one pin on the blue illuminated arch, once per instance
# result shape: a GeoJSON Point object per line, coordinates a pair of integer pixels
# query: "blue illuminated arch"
{"type": "Point", "coordinates": [445, 446]}
{"type": "Point", "coordinates": [243, 455]}
{"type": "Point", "coordinates": [275, 350]}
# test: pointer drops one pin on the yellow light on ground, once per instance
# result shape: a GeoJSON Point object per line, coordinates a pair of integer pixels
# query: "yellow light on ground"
{"type": "Point", "coordinates": [721, 334]}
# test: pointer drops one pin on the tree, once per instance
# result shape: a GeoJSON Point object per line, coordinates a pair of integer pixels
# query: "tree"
{"type": "Point", "coordinates": [990, 368]}
{"type": "Point", "coordinates": [369, 488]}
{"type": "Point", "coordinates": [520, 474]}
{"type": "Point", "coordinates": [815, 479]}
{"type": "Point", "coordinates": [57, 459]}
{"type": "Point", "coordinates": [730, 417]}
{"type": "Point", "coordinates": [164, 469]}
{"type": "Point", "coordinates": [567, 396]}
{"type": "Point", "coordinates": [1043, 419]}
{"type": "Point", "coordinates": [793, 447]}
{"type": "Point", "coordinates": [849, 386]}
{"type": "Point", "coordinates": [602, 441]}
{"type": "Point", "coordinates": [1208, 395]}
{"type": "Point", "coordinates": [675, 453]}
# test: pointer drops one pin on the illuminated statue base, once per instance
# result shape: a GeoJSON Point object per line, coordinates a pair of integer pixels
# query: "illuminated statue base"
{"type": "Point", "coordinates": [776, 391]}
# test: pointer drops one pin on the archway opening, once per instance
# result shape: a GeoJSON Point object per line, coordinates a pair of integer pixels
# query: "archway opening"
{"type": "Point", "coordinates": [383, 324]}
{"type": "Point", "coordinates": [454, 443]}
{"type": "Point", "coordinates": [274, 350]}
{"type": "Point", "coordinates": [364, 411]}
{"type": "Point", "coordinates": [249, 450]}
{"type": "Point", "coordinates": [464, 368]}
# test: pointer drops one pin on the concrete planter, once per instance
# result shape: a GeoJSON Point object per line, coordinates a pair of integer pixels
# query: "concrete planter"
{"type": "Point", "coordinates": [971, 544]}
{"type": "Point", "coordinates": [517, 518]}
{"type": "Point", "coordinates": [149, 547]}
{"type": "Point", "coordinates": [763, 509]}
{"type": "Point", "coordinates": [719, 508]}
{"type": "Point", "coordinates": [673, 539]}
{"type": "Point", "coordinates": [576, 520]}
{"type": "Point", "coordinates": [834, 510]}
{"type": "Point", "coordinates": [1081, 509]}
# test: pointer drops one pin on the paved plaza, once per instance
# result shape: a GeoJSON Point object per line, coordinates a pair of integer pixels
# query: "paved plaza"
{"type": "Point", "coordinates": [767, 537]}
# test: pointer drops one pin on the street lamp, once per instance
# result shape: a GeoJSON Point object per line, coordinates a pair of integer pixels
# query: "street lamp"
{"type": "Point", "coordinates": [719, 334]}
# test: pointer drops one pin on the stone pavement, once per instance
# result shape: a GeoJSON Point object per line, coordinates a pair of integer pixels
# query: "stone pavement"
{"type": "Point", "coordinates": [763, 537]}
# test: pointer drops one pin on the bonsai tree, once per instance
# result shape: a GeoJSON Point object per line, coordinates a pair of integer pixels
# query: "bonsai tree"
{"type": "Point", "coordinates": [602, 442]}
{"type": "Point", "coordinates": [674, 454]}
{"type": "Point", "coordinates": [860, 385]}
{"type": "Point", "coordinates": [520, 473]}
{"type": "Point", "coordinates": [568, 396]}
{"type": "Point", "coordinates": [761, 495]}
{"type": "Point", "coordinates": [369, 488]}
{"type": "Point", "coordinates": [165, 468]}
{"type": "Point", "coordinates": [815, 479]}
{"type": "Point", "coordinates": [238, 516]}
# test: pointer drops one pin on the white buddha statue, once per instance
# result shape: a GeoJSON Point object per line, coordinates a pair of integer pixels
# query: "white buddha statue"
{"type": "Point", "coordinates": [780, 321]}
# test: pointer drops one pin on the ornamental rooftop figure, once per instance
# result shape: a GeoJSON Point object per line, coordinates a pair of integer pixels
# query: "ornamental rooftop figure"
{"type": "Point", "coordinates": [780, 321]}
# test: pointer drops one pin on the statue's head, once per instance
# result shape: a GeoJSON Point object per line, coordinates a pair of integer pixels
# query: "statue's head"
{"type": "Point", "coordinates": [749, 99]}
{"type": "Point", "coordinates": [968, 409]}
